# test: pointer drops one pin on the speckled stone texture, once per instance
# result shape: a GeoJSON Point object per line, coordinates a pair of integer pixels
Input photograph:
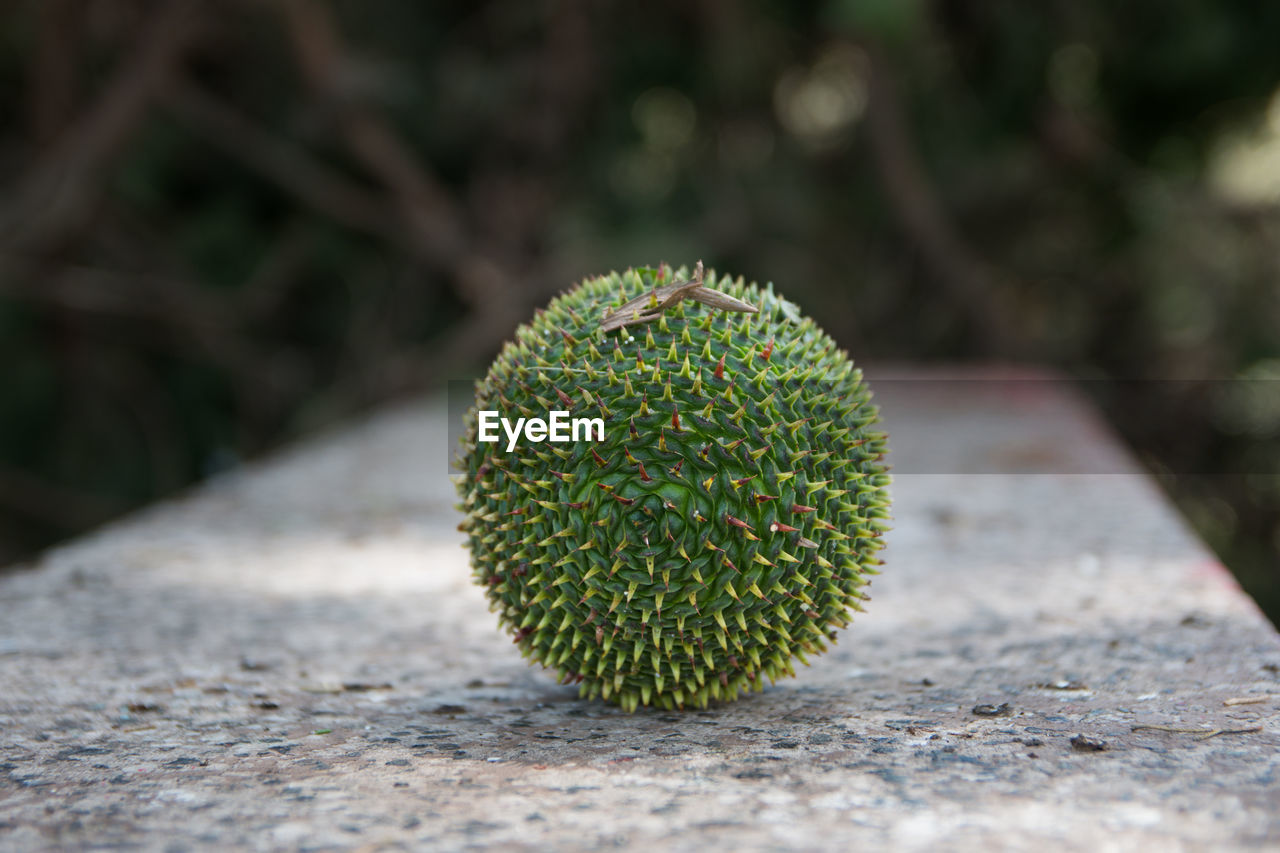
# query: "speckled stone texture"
{"type": "Point", "coordinates": [294, 658]}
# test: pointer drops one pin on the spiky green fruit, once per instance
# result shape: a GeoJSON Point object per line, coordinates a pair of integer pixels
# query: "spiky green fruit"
{"type": "Point", "coordinates": [726, 524]}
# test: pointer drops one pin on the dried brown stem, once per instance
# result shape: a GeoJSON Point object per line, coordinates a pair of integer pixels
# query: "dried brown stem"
{"type": "Point", "coordinates": [648, 307]}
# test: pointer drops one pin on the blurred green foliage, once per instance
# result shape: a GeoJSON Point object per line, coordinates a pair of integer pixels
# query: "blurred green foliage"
{"type": "Point", "coordinates": [307, 208]}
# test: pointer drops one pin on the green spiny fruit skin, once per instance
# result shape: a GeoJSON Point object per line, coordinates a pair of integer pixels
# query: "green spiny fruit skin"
{"type": "Point", "coordinates": [726, 525]}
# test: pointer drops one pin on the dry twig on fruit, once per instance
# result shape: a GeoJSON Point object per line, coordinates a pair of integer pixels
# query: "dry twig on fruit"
{"type": "Point", "coordinates": [650, 306]}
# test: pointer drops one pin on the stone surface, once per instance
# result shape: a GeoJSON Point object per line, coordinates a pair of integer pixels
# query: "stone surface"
{"type": "Point", "coordinates": [294, 657]}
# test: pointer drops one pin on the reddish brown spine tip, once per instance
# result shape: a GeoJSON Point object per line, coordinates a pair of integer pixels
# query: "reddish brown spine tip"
{"type": "Point", "coordinates": [599, 459]}
{"type": "Point", "coordinates": [768, 350]}
{"type": "Point", "coordinates": [720, 368]}
{"type": "Point", "coordinates": [644, 475]}
{"type": "Point", "coordinates": [624, 501]}
{"type": "Point", "coordinates": [802, 508]}
{"type": "Point", "coordinates": [737, 522]}
{"type": "Point", "coordinates": [564, 398]}
{"type": "Point", "coordinates": [675, 419]}
{"type": "Point", "coordinates": [777, 527]}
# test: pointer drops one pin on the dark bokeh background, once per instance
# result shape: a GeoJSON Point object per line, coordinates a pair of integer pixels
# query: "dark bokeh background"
{"type": "Point", "coordinates": [223, 224]}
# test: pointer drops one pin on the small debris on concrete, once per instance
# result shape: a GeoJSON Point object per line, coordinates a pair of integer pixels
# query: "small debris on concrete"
{"type": "Point", "coordinates": [322, 688]}
{"type": "Point", "coordinates": [1084, 743]}
{"type": "Point", "coordinates": [362, 687]}
{"type": "Point", "coordinates": [1204, 734]}
{"type": "Point", "coordinates": [1001, 710]}
{"type": "Point", "coordinates": [753, 774]}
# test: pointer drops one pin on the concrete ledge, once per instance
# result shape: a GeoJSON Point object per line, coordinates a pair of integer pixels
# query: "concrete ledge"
{"type": "Point", "coordinates": [295, 658]}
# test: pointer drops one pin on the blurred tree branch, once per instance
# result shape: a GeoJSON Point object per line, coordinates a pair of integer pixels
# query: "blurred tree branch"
{"type": "Point", "coordinates": [433, 219]}
{"type": "Point", "coordinates": [289, 166]}
{"type": "Point", "coordinates": [36, 498]}
{"type": "Point", "coordinates": [967, 279]}
{"type": "Point", "coordinates": [51, 93]}
{"type": "Point", "coordinates": [59, 193]}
